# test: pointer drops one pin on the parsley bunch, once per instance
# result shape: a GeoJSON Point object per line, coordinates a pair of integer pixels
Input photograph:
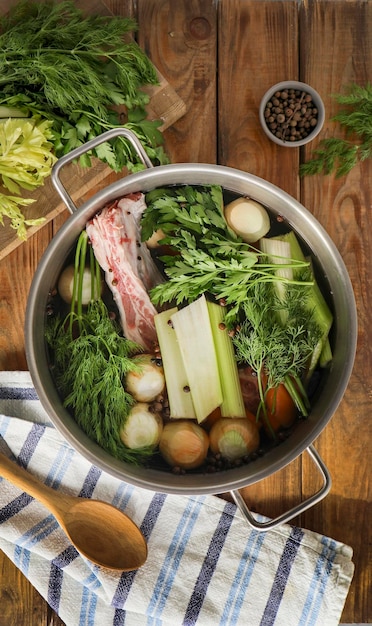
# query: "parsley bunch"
{"type": "Point", "coordinates": [341, 154]}
{"type": "Point", "coordinates": [210, 257]}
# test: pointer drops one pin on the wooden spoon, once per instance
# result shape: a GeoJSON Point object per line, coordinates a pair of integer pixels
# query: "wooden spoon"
{"type": "Point", "coordinates": [98, 530]}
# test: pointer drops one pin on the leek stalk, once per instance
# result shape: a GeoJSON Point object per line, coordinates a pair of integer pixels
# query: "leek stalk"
{"type": "Point", "coordinates": [318, 307]}
{"type": "Point", "coordinates": [232, 403]}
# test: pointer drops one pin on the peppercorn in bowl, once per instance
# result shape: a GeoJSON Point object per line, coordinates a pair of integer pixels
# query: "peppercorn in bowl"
{"type": "Point", "coordinates": [291, 113]}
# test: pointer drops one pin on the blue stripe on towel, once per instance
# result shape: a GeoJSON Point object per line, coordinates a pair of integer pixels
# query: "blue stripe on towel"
{"type": "Point", "coordinates": [209, 565]}
{"type": "Point", "coordinates": [18, 393]}
{"type": "Point", "coordinates": [331, 554]}
{"type": "Point", "coordinates": [65, 557]}
{"type": "Point", "coordinates": [56, 575]}
{"type": "Point", "coordinates": [14, 507]}
{"type": "Point", "coordinates": [174, 556]}
{"type": "Point", "coordinates": [119, 618]}
{"type": "Point", "coordinates": [55, 586]}
{"type": "Point", "coordinates": [122, 495]}
{"type": "Point", "coordinates": [21, 559]}
{"type": "Point", "coordinates": [318, 583]}
{"type": "Point", "coordinates": [91, 581]}
{"type": "Point", "coordinates": [281, 576]}
{"type": "Point", "coordinates": [147, 526]}
{"type": "Point", "coordinates": [28, 448]}
{"type": "Point", "coordinates": [152, 514]}
{"type": "Point", "coordinates": [59, 467]}
{"type": "Point", "coordinates": [90, 482]}
{"type": "Point", "coordinates": [88, 607]}
{"type": "Point", "coordinates": [38, 532]}
{"type": "Point", "coordinates": [242, 578]}
{"type": "Point", "coordinates": [30, 443]}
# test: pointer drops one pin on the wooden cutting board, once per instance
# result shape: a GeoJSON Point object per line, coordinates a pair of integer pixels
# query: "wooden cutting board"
{"type": "Point", "coordinates": [164, 105]}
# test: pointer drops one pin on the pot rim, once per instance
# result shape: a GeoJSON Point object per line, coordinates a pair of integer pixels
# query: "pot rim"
{"type": "Point", "coordinates": [304, 224]}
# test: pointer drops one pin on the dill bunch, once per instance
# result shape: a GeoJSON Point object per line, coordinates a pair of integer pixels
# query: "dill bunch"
{"type": "Point", "coordinates": [280, 352]}
{"type": "Point", "coordinates": [53, 52]}
{"type": "Point", "coordinates": [341, 154]}
{"type": "Point", "coordinates": [91, 358]}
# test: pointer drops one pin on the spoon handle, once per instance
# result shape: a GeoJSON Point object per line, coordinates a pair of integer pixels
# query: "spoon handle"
{"type": "Point", "coordinates": [18, 476]}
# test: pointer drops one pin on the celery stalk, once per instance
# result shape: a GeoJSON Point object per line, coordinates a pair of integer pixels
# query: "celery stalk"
{"type": "Point", "coordinates": [316, 304]}
{"type": "Point", "coordinates": [326, 354]}
{"type": "Point", "coordinates": [278, 252]}
{"type": "Point", "coordinates": [195, 339]}
{"type": "Point", "coordinates": [180, 400]}
{"type": "Point", "coordinates": [232, 403]}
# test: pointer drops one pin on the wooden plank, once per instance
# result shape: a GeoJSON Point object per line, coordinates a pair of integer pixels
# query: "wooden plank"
{"type": "Point", "coordinates": [165, 105]}
{"type": "Point", "coordinates": [185, 52]}
{"type": "Point", "coordinates": [19, 598]}
{"type": "Point", "coordinates": [340, 42]}
{"type": "Point", "coordinates": [258, 48]}
{"type": "Point", "coordinates": [48, 204]}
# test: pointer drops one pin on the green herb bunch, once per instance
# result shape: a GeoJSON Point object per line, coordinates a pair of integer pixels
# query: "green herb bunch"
{"type": "Point", "coordinates": [72, 69]}
{"type": "Point", "coordinates": [90, 360]}
{"type": "Point", "coordinates": [209, 258]}
{"type": "Point", "coordinates": [341, 154]}
{"type": "Point", "coordinates": [279, 351]}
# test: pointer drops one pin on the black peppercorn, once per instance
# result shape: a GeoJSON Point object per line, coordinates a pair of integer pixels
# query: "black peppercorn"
{"type": "Point", "coordinates": [291, 114]}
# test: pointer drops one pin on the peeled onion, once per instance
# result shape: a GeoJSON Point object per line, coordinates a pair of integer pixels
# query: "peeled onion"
{"type": "Point", "coordinates": [66, 285]}
{"type": "Point", "coordinates": [183, 444]}
{"type": "Point", "coordinates": [234, 437]}
{"type": "Point", "coordinates": [146, 384]}
{"type": "Point", "coordinates": [248, 219]}
{"type": "Point", "coordinates": [142, 427]}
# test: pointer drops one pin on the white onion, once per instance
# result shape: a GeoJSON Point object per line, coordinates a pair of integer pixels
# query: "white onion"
{"type": "Point", "coordinates": [248, 219]}
{"type": "Point", "coordinates": [66, 285]}
{"type": "Point", "coordinates": [146, 384]}
{"type": "Point", "coordinates": [142, 428]}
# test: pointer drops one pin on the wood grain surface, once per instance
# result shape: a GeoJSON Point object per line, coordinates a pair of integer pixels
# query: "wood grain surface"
{"type": "Point", "coordinates": [220, 57]}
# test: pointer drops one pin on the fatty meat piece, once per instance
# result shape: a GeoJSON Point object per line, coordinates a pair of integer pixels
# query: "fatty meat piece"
{"type": "Point", "coordinates": [130, 272]}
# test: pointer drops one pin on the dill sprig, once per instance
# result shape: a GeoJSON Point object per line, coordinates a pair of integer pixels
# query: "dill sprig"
{"type": "Point", "coordinates": [279, 352]}
{"type": "Point", "coordinates": [341, 154]}
{"type": "Point", "coordinates": [90, 361]}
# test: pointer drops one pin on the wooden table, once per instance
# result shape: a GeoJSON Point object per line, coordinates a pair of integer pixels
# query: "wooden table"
{"type": "Point", "coordinates": [221, 56]}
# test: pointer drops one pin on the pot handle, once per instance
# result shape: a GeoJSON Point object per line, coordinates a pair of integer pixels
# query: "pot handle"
{"type": "Point", "coordinates": [296, 510]}
{"type": "Point", "coordinates": [89, 145]}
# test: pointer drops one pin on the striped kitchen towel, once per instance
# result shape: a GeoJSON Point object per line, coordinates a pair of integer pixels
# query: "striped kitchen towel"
{"type": "Point", "coordinates": [205, 565]}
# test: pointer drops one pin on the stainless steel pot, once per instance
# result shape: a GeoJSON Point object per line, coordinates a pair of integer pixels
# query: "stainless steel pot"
{"type": "Point", "coordinates": [335, 282]}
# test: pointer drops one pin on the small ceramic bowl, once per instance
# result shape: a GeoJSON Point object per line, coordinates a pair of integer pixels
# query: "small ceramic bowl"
{"type": "Point", "coordinates": [291, 124]}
